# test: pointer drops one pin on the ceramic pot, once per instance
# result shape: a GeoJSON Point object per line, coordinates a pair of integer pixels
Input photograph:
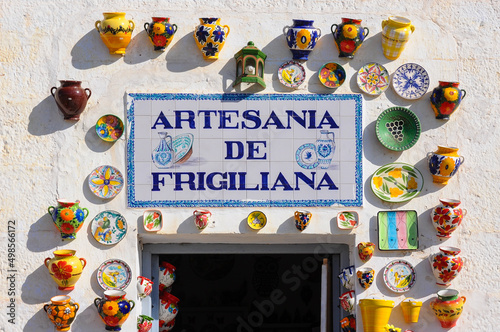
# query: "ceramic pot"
{"type": "Point", "coordinates": [68, 217]}
{"type": "Point", "coordinates": [444, 163]}
{"type": "Point", "coordinates": [144, 323]}
{"type": "Point", "coordinates": [61, 311]}
{"type": "Point", "coordinates": [396, 32]}
{"type": "Point", "coordinates": [114, 309]}
{"type": "Point", "coordinates": [348, 36]}
{"type": "Point", "coordinates": [411, 309]}
{"type": "Point", "coordinates": [365, 276]}
{"type": "Point", "coordinates": [301, 38]}
{"type": "Point", "coordinates": [166, 326]}
{"type": "Point", "coordinates": [166, 275]}
{"type": "Point", "coordinates": [65, 268]}
{"type": "Point", "coordinates": [160, 32]}
{"type": "Point", "coordinates": [348, 324]}
{"type": "Point", "coordinates": [447, 216]}
{"type": "Point", "coordinates": [210, 37]}
{"type": "Point", "coordinates": [71, 98]}
{"type": "Point", "coordinates": [347, 277]}
{"type": "Point", "coordinates": [446, 98]}
{"type": "Point", "coordinates": [302, 219]}
{"type": "Point", "coordinates": [144, 287]}
{"type": "Point", "coordinates": [325, 147]}
{"type": "Point", "coordinates": [115, 31]}
{"type": "Point", "coordinates": [168, 307]}
{"type": "Point", "coordinates": [365, 251]}
{"type": "Point", "coordinates": [448, 307]}
{"type": "Point", "coordinates": [446, 265]}
{"type": "Point", "coordinates": [375, 314]}
{"type": "Point", "coordinates": [201, 218]}
{"type": "Point", "coordinates": [347, 301]}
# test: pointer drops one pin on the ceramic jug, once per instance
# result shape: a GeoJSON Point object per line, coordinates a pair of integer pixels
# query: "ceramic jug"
{"type": "Point", "coordinates": [302, 219]}
{"type": "Point", "coordinates": [115, 31]}
{"type": "Point", "coordinates": [448, 307]}
{"type": "Point", "coordinates": [168, 307]}
{"type": "Point", "coordinates": [71, 98]}
{"type": "Point", "coordinates": [164, 156]}
{"type": "Point", "coordinates": [160, 32]}
{"type": "Point", "coordinates": [375, 314]}
{"type": "Point", "coordinates": [68, 217]}
{"type": "Point", "coordinates": [144, 323]}
{"type": "Point", "coordinates": [301, 38]}
{"type": "Point", "coordinates": [446, 98]}
{"type": "Point", "coordinates": [447, 216]}
{"type": "Point", "coordinates": [144, 287]}
{"type": "Point", "coordinates": [446, 265]}
{"type": "Point", "coordinates": [210, 37]}
{"type": "Point", "coordinates": [396, 32]}
{"type": "Point", "coordinates": [365, 251]}
{"type": "Point", "coordinates": [325, 148]}
{"type": "Point", "coordinates": [348, 36]}
{"type": "Point", "coordinates": [444, 163]}
{"type": "Point", "coordinates": [166, 275]}
{"type": "Point", "coordinates": [61, 311]}
{"type": "Point", "coordinates": [114, 309]}
{"type": "Point", "coordinates": [201, 218]}
{"type": "Point", "coordinates": [65, 268]}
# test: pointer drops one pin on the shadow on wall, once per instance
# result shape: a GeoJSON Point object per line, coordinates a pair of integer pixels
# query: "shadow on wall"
{"type": "Point", "coordinates": [43, 235]}
{"type": "Point", "coordinates": [183, 55]}
{"type": "Point", "coordinates": [38, 322]}
{"type": "Point", "coordinates": [90, 52]}
{"type": "Point", "coordinates": [38, 287]}
{"type": "Point", "coordinates": [46, 119]}
{"type": "Point", "coordinates": [88, 320]}
{"type": "Point", "coordinates": [140, 50]}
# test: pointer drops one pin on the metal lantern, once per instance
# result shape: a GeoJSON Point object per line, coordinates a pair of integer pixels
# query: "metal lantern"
{"type": "Point", "coordinates": [250, 63]}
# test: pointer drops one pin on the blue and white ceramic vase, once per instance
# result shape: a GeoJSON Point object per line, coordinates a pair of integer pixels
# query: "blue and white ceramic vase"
{"type": "Point", "coordinates": [325, 147]}
{"type": "Point", "coordinates": [163, 156]}
{"type": "Point", "coordinates": [301, 38]}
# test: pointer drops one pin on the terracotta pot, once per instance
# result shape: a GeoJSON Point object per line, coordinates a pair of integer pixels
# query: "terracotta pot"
{"type": "Point", "coordinates": [447, 216]}
{"type": "Point", "coordinates": [446, 98]}
{"type": "Point", "coordinates": [114, 309]}
{"type": "Point", "coordinates": [160, 32]}
{"type": "Point", "coordinates": [210, 37]}
{"type": "Point", "coordinates": [61, 311]}
{"type": "Point", "coordinates": [65, 268]}
{"type": "Point", "coordinates": [168, 307]}
{"type": "Point", "coordinates": [115, 31]}
{"type": "Point", "coordinates": [448, 307]}
{"type": "Point", "coordinates": [68, 217]}
{"type": "Point", "coordinates": [348, 36]}
{"type": "Point", "coordinates": [446, 265]}
{"type": "Point", "coordinates": [444, 163]}
{"type": "Point", "coordinates": [71, 98]}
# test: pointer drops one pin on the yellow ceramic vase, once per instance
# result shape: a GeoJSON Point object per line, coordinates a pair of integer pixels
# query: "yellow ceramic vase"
{"type": "Point", "coordinates": [444, 163]}
{"type": "Point", "coordinates": [210, 37]}
{"type": "Point", "coordinates": [115, 31]}
{"type": "Point", "coordinates": [375, 314]}
{"type": "Point", "coordinates": [396, 32]}
{"type": "Point", "coordinates": [61, 311]}
{"type": "Point", "coordinates": [65, 268]}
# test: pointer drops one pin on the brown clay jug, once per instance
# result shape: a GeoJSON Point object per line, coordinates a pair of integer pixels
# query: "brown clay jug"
{"type": "Point", "coordinates": [71, 98]}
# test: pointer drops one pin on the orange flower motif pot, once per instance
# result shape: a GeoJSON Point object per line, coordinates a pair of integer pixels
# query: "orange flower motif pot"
{"type": "Point", "coordinates": [446, 265]}
{"type": "Point", "coordinates": [447, 216]}
{"type": "Point", "coordinates": [114, 309]}
{"type": "Point", "coordinates": [444, 163]}
{"type": "Point", "coordinates": [61, 311]}
{"type": "Point", "coordinates": [446, 98]}
{"type": "Point", "coordinates": [68, 217]}
{"type": "Point", "coordinates": [365, 251]}
{"type": "Point", "coordinates": [115, 31]}
{"type": "Point", "coordinates": [65, 268]}
{"type": "Point", "coordinates": [448, 307]}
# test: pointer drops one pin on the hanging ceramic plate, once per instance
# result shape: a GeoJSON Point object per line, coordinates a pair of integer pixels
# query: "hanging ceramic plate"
{"type": "Point", "coordinates": [152, 220]}
{"type": "Point", "coordinates": [108, 227]}
{"type": "Point", "coordinates": [291, 74]}
{"type": "Point", "coordinates": [257, 220]}
{"type": "Point", "coordinates": [399, 276]}
{"type": "Point", "coordinates": [410, 81]}
{"type": "Point", "coordinates": [183, 147]}
{"type": "Point", "coordinates": [306, 156]}
{"type": "Point", "coordinates": [397, 182]}
{"type": "Point", "coordinates": [331, 75]}
{"type": "Point", "coordinates": [106, 181]}
{"type": "Point", "coordinates": [109, 128]}
{"type": "Point", "coordinates": [398, 128]}
{"type": "Point", "coordinates": [114, 274]}
{"type": "Point", "coordinates": [373, 79]}
{"type": "Point", "coordinates": [347, 219]}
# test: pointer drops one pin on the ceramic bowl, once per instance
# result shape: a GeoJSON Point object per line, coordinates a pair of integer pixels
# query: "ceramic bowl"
{"type": "Point", "coordinates": [373, 79]}
{"type": "Point", "coordinates": [347, 219]}
{"type": "Point", "coordinates": [291, 74]}
{"type": "Point", "coordinates": [410, 81]}
{"type": "Point", "coordinates": [257, 220]}
{"type": "Point", "coordinates": [398, 128]}
{"type": "Point", "coordinates": [331, 75]}
{"type": "Point", "coordinates": [109, 128]}
{"type": "Point", "coordinates": [183, 147]}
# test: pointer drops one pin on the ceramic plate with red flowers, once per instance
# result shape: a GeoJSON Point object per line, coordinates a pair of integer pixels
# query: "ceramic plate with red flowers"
{"type": "Point", "coordinates": [373, 79]}
{"type": "Point", "coordinates": [347, 219]}
{"type": "Point", "coordinates": [152, 220]}
{"type": "Point", "coordinates": [106, 181]}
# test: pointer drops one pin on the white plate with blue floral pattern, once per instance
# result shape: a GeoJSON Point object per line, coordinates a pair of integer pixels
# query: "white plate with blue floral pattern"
{"type": "Point", "coordinates": [410, 81]}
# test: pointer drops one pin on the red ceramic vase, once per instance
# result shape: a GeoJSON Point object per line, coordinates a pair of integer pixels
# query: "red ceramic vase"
{"type": "Point", "coordinates": [71, 98]}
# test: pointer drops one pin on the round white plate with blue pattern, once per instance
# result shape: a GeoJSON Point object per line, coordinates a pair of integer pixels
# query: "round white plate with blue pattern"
{"type": "Point", "coordinates": [306, 156]}
{"type": "Point", "coordinates": [410, 81]}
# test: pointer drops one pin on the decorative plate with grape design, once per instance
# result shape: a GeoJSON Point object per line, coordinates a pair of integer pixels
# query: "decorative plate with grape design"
{"type": "Point", "coordinates": [398, 128]}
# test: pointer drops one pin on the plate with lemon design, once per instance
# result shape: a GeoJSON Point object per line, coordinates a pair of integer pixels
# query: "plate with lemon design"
{"type": "Point", "coordinates": [291, 74]}
{"type": "Point", "coordinates": [399, 276]}
{"type": "Point", "coordinates": [397, 182]}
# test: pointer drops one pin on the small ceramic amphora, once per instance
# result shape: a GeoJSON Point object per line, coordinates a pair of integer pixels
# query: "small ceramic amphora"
{"type": "Point", "coordinates": [160, 32]}
{"type": "Point", "coordinates": [68, 217]}
{"type": "Point", "coordinates": [210, 37]}
{"type": "Point", "coordinates": [65, 268]}
{"type": "Point", "coordinates": [301, 38]}
{"type": "Point", "coordinates": [348, 36]}
{"type": "Point", "coordinates": [446, 98]}
{"type": "Point", "coordinates": [444, 163]}
{"type": "Point", "coordinates": [71, 98]}
{"type": "Point", "coordinates": [114, 309]}
{"type": "Point", "coordinates": [446, 265]}
{"type": "Point", "coordinates": [61, 311]}
{"type": "Point", "coordinates": [448, 307]}
{"type": "Point", "coordinates": [447, 216]}
{"type": "Point", "coordinates": [115, 31]}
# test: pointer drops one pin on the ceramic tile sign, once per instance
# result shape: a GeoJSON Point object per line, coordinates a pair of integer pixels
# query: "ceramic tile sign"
{"type": "Point", "coordinates": [190, 150]}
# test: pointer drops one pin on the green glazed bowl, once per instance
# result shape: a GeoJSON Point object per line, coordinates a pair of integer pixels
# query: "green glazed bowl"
{"type": "Point", "coordinates": [398, 128]}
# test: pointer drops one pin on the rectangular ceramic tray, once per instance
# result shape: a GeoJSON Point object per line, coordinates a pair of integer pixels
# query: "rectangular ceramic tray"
{"type": "Point", "coordinates": [397, 230]}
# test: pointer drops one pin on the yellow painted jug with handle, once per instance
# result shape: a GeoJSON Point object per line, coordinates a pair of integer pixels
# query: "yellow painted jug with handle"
{"type": "Point", "coordinates": [396, 32]}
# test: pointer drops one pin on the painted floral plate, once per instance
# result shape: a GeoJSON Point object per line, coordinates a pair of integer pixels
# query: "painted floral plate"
{"type": "Point", "coordinates": [114, 274]}
{"type": "Point", "coordinates": [291, 74]}
{"type": "Point", "coordinates": [306, 156]}
{"type": "Point", "coordinates": [373, 79]}
{"type": "Point", "coordinates": [183, 147]}
{"type": "Point", "coordinates": [257, 220]}
{"type": "Point", "coordinates": [399, 276]}
{"type": "Point", "coordinates": [347, 219]}
{"type": "Point", "coordinates": [398, 128]}
{"type": "Point", "coordinates": [410, 81]}
{"type": "Point", "coordinates": [108, 227]}
{"type": "Point", "coordinates": [152, 220]}
{"type": "Point", "coordinates": [397, 182]}
{"type": "Point", "coordinates": [109, 128]}
{"type": "Point", "coordinates": [106, 181]}
{"type": "Point", "coordinates": [331, 75]}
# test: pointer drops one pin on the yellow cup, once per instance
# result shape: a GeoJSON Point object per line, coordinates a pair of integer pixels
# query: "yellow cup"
{"type": "Point", "coordinates": [411, 309]}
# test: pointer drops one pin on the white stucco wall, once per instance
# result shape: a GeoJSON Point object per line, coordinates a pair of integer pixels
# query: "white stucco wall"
{"type": "Point", "coordinates": [45, 157]}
